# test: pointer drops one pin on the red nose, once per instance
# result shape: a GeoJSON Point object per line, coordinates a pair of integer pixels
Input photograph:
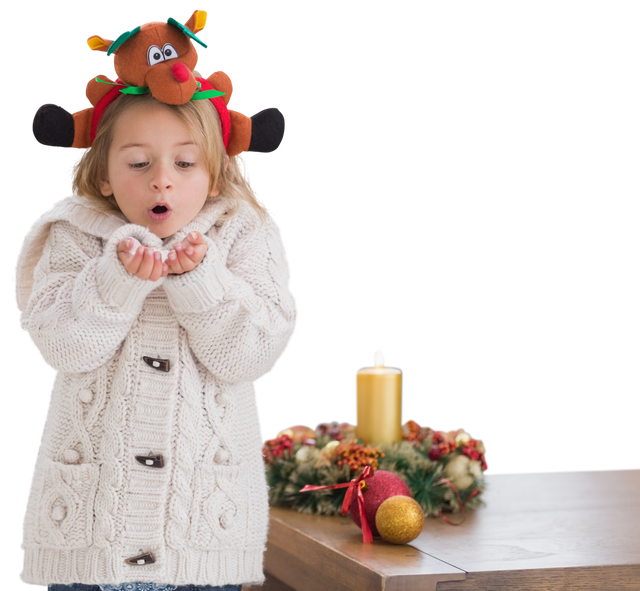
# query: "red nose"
{"type": "Point", "coordinates": [180, 72]}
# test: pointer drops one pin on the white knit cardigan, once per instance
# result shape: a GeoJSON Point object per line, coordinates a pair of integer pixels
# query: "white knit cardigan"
{"type": "Point", "coordinates": [203, 514]}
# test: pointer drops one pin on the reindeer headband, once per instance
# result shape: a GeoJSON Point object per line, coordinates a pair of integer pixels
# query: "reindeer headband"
{"type": "Point", "coordinates": [159, 58]}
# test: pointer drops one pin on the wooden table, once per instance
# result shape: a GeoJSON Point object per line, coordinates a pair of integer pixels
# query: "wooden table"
{"type": "Point", "coordinates": [536, 532]}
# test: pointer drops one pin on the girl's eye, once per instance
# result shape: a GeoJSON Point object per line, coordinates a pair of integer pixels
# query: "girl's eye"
{"type": "Point", "coordinates": [181, 164]}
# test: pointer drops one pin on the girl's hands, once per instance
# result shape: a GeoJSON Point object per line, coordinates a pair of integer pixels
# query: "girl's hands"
{"type": "Point", "coordinates": [188, 254]}
{"type": "Point", "coordinates": [146, 263]}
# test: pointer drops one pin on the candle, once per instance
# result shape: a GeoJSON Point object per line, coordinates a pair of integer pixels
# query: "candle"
{"type": "Point", "coordinates": [379, 403]}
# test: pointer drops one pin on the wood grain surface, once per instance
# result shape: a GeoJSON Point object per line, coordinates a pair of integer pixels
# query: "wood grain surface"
{"type": "Point", "coordinates": [567, 531]}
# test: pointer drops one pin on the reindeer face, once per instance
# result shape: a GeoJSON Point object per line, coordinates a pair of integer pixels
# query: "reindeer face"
{"type": "Point", "coordinates": [160, 56]}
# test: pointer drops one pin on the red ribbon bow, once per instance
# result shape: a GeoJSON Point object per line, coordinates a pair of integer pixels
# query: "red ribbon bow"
{"type": "Point", "coordinates": [354, 485]}
{"type": "Point", "coordinates": [460, 503]}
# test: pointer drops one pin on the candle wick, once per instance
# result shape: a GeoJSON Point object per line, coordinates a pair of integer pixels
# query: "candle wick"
{"type": "Point", "coordinates": [378, 359]}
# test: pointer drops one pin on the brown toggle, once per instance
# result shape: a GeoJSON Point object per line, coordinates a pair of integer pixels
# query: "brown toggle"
{"type": "Point", "coordinates": [159, 364]}
{"type": "Point", "coordinates": [141, 559]}
{"type": "Point", "coordinates": [153, 461]}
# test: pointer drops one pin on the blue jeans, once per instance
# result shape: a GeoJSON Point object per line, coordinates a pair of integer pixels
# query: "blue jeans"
{"type": "Point", "coordinates": [80, 587]}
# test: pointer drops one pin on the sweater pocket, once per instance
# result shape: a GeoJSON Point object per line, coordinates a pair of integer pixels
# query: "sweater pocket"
{"type": "Point", "coordinates": [219, 511]}
{"type": "Point", "coordinates": [65, 511]}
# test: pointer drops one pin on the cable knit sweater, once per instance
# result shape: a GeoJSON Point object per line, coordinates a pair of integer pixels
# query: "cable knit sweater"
{"type": "Point", "coordinates": [150, 466]}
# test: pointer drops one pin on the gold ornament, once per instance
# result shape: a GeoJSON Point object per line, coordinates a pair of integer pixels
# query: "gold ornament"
{"type": "Point", "coordinates": [399, 519]}
{"type": "Point", "coordinates": [299, 433]}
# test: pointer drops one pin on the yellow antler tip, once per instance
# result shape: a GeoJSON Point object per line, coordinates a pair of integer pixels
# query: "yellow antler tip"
{"type": "Point", "coordinates": [95, 42]}
{"type": "Point", "coordinates": [201, 19]}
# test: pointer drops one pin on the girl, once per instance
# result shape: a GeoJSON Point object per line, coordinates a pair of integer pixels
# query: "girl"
{"type": "Point", "coordinates": [150, 473]}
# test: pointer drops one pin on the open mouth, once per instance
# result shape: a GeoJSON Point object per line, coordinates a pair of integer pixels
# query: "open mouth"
{"type": "Point", "coordinates": [159, 212]}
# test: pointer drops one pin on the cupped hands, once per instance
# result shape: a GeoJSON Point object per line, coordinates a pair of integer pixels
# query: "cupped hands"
{"type": "Point", "coordinates": [146, 262]}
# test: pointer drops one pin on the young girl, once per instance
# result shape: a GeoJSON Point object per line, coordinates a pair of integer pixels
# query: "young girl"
{"type": "Point", "coordinates": [150, 472]}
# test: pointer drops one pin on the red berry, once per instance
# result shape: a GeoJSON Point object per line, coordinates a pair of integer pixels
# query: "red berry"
{"type": "Point", "coordinates": [435, 453]}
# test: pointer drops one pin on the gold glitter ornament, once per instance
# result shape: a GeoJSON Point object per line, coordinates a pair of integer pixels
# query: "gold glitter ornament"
{"type": "Point", "coordinates": [399, 519]}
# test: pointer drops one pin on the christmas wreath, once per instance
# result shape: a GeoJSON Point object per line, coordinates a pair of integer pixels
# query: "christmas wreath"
{"type": "Point", "coordinates": [444, 470]}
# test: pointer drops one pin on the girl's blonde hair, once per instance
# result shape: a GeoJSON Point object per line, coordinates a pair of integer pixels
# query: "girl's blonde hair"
{"type": "Point", "coordinates": [202, 121]}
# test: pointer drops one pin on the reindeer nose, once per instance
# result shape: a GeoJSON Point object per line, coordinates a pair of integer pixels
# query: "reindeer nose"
{"type": "Point", "coordinates": [180, 72]}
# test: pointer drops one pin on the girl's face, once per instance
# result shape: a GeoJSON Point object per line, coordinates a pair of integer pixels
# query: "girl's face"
{"type": "Point", "coordinates": [155, 170]}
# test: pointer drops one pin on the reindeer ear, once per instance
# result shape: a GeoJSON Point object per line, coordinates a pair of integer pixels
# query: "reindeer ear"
{"type": "Point", "coordinates": [197, 21]}
{"type": "Point", "coordinates": [98, 43]}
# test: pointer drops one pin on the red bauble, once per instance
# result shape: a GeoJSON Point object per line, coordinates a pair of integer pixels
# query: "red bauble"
{"type": "Point", "coordinates": [435, 452]}
{"type": "Point", "coordinates": [381, 486]}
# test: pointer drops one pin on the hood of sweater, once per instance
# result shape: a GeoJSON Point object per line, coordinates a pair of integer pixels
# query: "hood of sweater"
{"type": "Point", "coordinates": [90, 217]}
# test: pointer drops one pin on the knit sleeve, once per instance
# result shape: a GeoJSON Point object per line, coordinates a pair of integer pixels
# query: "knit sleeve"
{"type": "Point", "coordinates": [237, 309]}
{"type": "Point", "coordinates": [83, 301]}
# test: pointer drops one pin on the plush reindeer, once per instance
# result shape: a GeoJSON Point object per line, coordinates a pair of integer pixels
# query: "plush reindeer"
{"type": "Point", "coordinates": [159, 58]}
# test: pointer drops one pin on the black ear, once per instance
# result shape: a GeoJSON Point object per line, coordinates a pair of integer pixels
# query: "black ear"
{"type": "Point", "coordinates": [53, 126]}
{"type": "Point", "coordinates": [267, 130]}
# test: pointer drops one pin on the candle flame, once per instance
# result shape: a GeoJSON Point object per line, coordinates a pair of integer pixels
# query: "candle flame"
{"type": "Point", "coordinates": [378, 359]}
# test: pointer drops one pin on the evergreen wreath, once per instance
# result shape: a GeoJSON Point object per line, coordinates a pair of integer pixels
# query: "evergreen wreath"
{"type": "Point", "coordinates": [444, 470]}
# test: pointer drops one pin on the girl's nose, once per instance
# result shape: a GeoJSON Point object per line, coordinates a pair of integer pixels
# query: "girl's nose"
{"type": "Point", "coordinates": [160, 186]}
{"type": "Point", "coordinates": [161, 181]}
